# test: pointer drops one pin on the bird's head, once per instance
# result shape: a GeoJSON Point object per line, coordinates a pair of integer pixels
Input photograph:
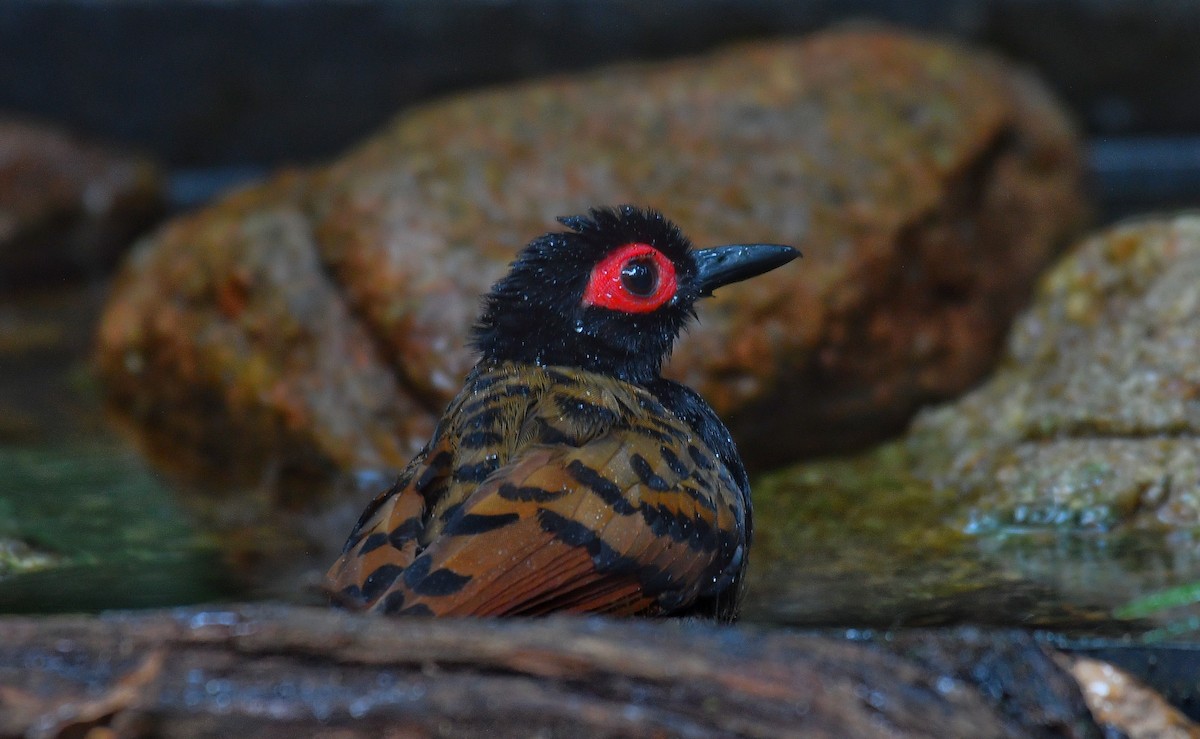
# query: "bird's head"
{"type": "Point", "coordinates": [611, 295]}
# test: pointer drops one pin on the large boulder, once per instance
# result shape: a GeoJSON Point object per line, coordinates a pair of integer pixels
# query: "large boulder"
{"type": "Point", "coordinates": [68, 206]}
{"type": "Point", "coordinates": [323, 315]}
{"type": "Point", "coordinates": [1093, 418]}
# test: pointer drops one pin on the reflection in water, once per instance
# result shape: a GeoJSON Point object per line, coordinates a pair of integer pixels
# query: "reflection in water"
{"type": "Point", "coordinates": [99, 531]}
{"type": "Point", "coordinates": [858, 542]}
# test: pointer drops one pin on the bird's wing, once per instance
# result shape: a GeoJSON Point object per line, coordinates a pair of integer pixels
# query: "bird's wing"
{"type": "Point", "coordinates": [641, 519]}
{"type": "Point", "coordinates": [475, 435]}
{"type": "Point", "coordinates": [386, 538]}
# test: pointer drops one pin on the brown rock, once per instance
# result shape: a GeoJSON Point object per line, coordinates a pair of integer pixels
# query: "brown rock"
{"type": "Point", "coordinates": [926, 183]}
{"type": "Point", "coordinates": [68, 206]}
{"type": "Point", "coordinates": [1093, 418]}
{"type": "Point", "coordinates": [228, 322]}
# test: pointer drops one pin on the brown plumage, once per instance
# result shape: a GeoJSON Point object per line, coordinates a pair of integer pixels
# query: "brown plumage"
{"type": "Point", "coordinates": [556, 482]}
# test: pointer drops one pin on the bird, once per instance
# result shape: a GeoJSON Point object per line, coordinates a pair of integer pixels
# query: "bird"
{"type": "Point", "coordinates": [568, 475]}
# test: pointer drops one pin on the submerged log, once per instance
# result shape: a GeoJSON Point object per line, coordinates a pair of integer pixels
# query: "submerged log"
{"type": "Point", "coordinates": [273, 671]}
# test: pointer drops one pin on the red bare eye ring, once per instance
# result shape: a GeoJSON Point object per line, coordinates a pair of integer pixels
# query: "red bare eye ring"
{"type": "Point", "coordinates": [634, 278]}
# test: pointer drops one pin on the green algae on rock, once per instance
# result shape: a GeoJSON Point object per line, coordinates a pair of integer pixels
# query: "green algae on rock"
{"type": "Point", "coordinates": [928, 184]}
{"type": "Point", "coordinates": [1093, 418]}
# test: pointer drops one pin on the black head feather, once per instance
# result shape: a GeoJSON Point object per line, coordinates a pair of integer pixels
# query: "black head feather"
{"type": "Point", "coordinates": [538, 313]}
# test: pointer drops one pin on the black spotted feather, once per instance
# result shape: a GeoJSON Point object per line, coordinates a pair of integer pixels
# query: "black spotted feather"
{"type": "Point", "coordinates": [585, 506]}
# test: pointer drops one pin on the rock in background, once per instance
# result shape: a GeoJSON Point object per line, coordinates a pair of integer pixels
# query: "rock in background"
{"type": "Point", "coordinates": [323, 315]}
{"type": "Point", "coordinates": [68, 207]}
{"type": "Point", "coordinates": [1093, 418]}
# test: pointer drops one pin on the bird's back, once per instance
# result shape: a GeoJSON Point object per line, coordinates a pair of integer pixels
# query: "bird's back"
{"type": "Point", "coordinates": [554, 489]}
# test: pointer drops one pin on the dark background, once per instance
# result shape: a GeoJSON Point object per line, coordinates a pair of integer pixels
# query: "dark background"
{"type": "Point", "coordinates": [223, 89]}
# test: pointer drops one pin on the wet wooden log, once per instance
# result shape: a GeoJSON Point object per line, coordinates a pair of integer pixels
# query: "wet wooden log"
{"type": "Point", "coordinates": [286, 672]}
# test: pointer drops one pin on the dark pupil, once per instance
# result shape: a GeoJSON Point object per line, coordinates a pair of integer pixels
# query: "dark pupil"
{"type": "Point", "coordinates": [640, 277]}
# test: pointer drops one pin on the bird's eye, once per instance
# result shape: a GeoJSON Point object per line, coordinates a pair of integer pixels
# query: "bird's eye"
{"type": "Point", "coordinates": [640, 277]}
{"type": "Point", "coordinates": [633, 278]}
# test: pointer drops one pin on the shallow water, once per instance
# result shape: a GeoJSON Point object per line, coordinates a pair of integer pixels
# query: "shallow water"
{"type": "Point", "coordinates": [87, 522]}
{"type": "Point", "coordinates": [856, 542]}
